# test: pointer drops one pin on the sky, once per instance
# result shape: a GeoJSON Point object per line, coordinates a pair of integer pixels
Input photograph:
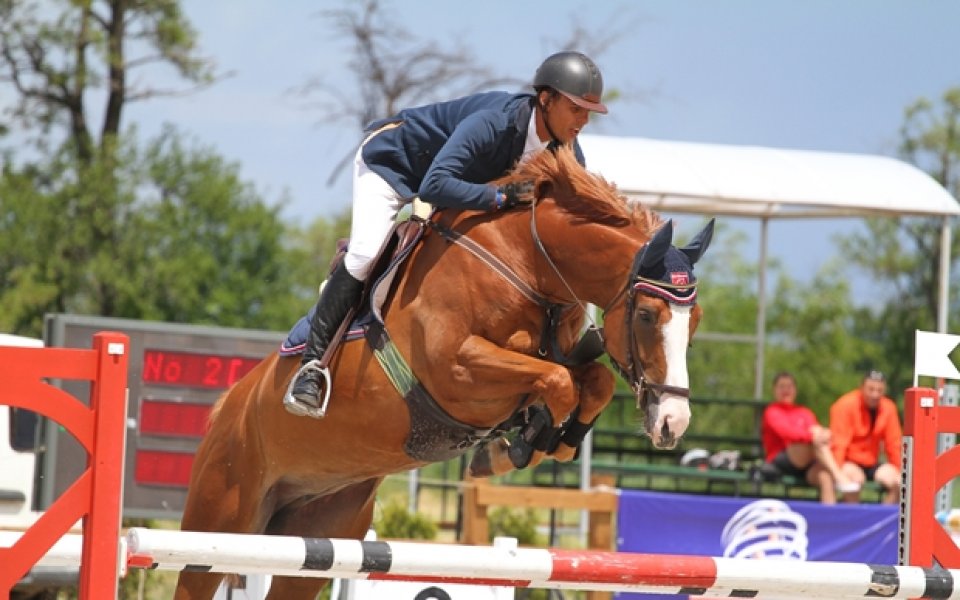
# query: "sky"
{"type": "Point", "coordinates": [816, 75]}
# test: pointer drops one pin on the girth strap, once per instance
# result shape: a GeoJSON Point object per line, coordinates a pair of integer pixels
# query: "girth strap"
{"type": "Point", "coordinates": [434, 435]}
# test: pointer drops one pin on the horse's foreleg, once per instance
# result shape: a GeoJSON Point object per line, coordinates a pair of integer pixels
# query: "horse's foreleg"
{"type": "Point", "coordinates": [223, 496]}
{"type": "Point", "coordinates": [344, 514]}
{"type": "Point", "coordinates": [489, 371]}
{"type": "Point", "coordinates": [596, 389]}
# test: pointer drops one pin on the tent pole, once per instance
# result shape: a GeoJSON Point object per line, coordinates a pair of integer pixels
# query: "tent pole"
{"type": "Point", "coordinates": [761, 309]}
{"type": "Point", "coordinates": [943, 300]}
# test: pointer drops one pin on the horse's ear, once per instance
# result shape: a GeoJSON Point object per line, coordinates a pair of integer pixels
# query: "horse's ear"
{"type": "Point", "coordinates": [657, 247]}
{"type": "Point", "coordinates": [698, 245]}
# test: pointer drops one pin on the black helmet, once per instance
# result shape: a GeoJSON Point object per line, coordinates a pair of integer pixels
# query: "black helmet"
{"type": "Point", "coordinates": [575, 76]}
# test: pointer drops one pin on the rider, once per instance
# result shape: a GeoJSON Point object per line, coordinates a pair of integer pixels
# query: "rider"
{"type": "Point", "coordinates": [447, 153]}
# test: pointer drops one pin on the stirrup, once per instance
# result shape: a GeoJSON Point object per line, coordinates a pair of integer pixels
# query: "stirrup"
{"type": "Point", "coordinates": [300, 408]}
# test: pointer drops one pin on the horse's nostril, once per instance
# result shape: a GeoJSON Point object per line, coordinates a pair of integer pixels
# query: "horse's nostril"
{"type": "Point", "coordinates": [667, 439]}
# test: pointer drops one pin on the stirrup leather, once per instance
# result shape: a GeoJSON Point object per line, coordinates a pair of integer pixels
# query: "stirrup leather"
{"type": "Point", "coordinates": [300, 408]}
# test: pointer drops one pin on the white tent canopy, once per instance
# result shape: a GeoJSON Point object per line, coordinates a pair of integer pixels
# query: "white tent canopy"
{"type": "Point", "coordinates": [771, 183]}
{"type": "Point", "coordinates": [764, 182]}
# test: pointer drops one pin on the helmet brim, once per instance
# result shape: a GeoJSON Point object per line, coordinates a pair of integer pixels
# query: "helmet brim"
{"type": "Point", "coordinates": [598, 107]}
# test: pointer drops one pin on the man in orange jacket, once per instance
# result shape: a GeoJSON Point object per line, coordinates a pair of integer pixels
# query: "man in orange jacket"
{"type": "Point", "coordinates": [860, 421]}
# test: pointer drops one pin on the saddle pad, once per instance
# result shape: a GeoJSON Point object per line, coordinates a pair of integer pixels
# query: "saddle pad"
{"type": "Point", "coordinates": [296, 341]}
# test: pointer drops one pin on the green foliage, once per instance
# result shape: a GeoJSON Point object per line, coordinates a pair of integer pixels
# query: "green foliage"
{"type": "Point", "coordinates": [395, 522]}
{"type": "Point", "coordinates": [217, 252]}
{"type": "Point", "coordinates": [60, 52]}
{"type": "Point", "coordinates": [814, 330]}
{"type": "Point", "coordinates": [507, 522]}
{"type": "Point", "coordinates": [720, 368]}
{"type": "Point", "coordinates": [903, 255]}
{"type": "Point", "coordinates": [99, 223]}
{"type": "Point", "coordinates": [169, 233]}
{"type": "Point", "coordinates": [930, 138]}
{"type": "Point", "coordinates": [812, 327]}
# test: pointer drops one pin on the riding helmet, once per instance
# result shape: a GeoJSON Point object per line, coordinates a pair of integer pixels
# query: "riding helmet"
{"type": "Point", "coordinates": [575, 76]}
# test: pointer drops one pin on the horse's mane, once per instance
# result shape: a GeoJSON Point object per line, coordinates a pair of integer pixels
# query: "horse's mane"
{"type": "Point", "coordinates": [581, 193]}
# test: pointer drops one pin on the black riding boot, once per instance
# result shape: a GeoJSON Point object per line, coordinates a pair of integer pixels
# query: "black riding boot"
{"type": "Point", "coordinates": [339, 295]}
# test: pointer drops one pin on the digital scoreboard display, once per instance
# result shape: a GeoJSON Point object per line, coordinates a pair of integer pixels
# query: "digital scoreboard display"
{"type": "Point", "coordinates": [192, 369]}
{"type": "Point", "coordinates": [177, 372]}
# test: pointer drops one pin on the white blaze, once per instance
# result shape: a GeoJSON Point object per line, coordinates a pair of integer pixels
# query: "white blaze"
{"type": "Point", "coordinates": [675, 410]}
{"type": "Point", "coordinates": [676, 338]}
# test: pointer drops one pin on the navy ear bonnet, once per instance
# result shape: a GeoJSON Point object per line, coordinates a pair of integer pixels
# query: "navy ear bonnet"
{"type": "Point", "coordinates": [667, 272]}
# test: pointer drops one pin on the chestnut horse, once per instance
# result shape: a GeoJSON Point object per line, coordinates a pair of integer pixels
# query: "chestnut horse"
{"type": "Point", "coordinates": [467, 316]}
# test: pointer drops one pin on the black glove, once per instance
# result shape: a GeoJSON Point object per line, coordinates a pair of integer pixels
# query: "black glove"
{"type": "Point", "coordinates": [513, 194]}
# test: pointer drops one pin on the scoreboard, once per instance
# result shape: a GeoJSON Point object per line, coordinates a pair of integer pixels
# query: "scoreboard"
{"type": "Point", "coordinates": [176, 373]}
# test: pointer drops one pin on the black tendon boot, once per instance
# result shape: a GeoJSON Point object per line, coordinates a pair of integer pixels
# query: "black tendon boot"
{"type": "Point", "coordinates": [341, 293]}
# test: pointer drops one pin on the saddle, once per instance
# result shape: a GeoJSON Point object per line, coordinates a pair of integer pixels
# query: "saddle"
{"type": "Point", "coordinates": [401, 241]}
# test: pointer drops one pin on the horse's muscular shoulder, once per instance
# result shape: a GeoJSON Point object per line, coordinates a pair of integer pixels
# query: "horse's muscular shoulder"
{"type": "Point", "coordinates": [520, 341]}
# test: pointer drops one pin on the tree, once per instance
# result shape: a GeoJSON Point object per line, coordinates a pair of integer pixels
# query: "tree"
{"type": "Point", "coordinates": [207, 245]}
{"type": "Point", "coordinates": [814, 330]}
{"type": "Point", "coordinates": [95, 224]}
{"type": "Point", "coordinates": [905, 253]}
{"type": "Point", "coordinates": [394, 68]}
{"type": "Point", "coordinates": [192, 243]}
{"type": "Point", "coordinates": [813, 327]}
{"type": "Point", "coordinates": [54, 61]}
{"type": "Point", "coordinates": [727, 294]}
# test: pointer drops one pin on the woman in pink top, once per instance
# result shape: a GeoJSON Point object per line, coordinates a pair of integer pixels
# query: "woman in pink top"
{"type": "Point", "coordinates": [795, 444]}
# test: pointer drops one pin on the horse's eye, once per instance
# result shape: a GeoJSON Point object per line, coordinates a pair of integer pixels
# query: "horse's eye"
{"type": "Point", "coordinates": [645, 315]}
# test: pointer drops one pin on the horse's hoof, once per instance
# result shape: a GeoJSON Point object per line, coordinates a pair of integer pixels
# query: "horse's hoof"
{"type": "Point", "coordinates": [520, 453]}
{"type": "Point", "coordinates": [481, 465]}
{"type": "Point", "coordinates": [564, 453]}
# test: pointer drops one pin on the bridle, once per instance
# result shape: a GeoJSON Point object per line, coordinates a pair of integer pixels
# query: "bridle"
{"type": "Point", "coordinates": [633, 373]}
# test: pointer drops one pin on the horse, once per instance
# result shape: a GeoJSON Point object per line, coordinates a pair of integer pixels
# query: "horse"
{"type": "Point", "coordinates": [481, 318]}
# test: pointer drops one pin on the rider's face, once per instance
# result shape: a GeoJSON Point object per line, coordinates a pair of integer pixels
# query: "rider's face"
{"type": "Point", "coordinates": [565, 118]}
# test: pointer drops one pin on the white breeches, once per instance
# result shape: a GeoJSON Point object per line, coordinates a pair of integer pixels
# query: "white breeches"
{"type": "Point", "coordinates": [375, 208]}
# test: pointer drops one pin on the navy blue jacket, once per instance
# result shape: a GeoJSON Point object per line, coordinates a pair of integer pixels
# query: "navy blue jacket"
{"type": "Point", "coordinates": [448, 152]}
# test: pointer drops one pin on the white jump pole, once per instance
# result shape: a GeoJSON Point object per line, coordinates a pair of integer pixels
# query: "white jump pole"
{"type": "Point", "coordinates": [531, 567]}
{"type": "Point", "coordinates": [65, 552]}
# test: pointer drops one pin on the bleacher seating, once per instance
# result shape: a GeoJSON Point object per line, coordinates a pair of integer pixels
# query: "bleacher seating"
{"type": "Point", "coordinates": [717, 425]}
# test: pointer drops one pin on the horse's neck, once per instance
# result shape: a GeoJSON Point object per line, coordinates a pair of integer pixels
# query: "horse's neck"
{"type": "Point", "coordinates": [593, 259]}
{"type": "Point", "coordinates": [574, 257]}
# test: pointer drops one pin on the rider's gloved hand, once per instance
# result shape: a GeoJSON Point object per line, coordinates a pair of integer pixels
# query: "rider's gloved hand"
{"type": "Point", "coordinates": [513, 194]}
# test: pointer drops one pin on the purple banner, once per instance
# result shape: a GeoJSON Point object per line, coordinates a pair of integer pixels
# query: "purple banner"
{"type": "Point", "coordinates": [760, 528]}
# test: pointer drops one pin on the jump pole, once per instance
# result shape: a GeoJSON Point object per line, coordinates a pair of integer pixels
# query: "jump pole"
{"type": "Point", "coordinates": [530, 567]}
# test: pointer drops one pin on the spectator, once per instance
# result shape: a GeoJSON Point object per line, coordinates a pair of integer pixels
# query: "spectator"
{"type": "Point", "coordinates": [795, 444]}
{"type": "Point", "coordinates": [860, 421]}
